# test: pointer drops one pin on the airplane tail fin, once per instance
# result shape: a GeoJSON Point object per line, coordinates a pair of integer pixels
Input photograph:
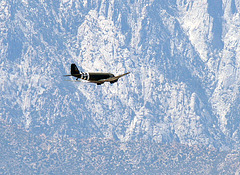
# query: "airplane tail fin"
{"type": "Point", "coordinates": [74, 69]}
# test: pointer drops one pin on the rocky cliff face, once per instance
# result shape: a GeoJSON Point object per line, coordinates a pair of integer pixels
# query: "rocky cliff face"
{"type": "Point", "coordinates": [183, 57]}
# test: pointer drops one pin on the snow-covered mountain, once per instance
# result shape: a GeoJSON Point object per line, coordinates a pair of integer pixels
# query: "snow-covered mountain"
{"type": "Point", "coordinates": [183, 57]}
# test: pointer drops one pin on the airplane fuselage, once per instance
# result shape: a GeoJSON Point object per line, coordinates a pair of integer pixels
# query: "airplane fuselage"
{"type": "Point", "coordinates": [93, 76]}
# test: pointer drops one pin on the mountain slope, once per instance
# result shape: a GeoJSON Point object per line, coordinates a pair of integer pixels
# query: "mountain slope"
{"type": "Point", "coordinates": [183, 59]}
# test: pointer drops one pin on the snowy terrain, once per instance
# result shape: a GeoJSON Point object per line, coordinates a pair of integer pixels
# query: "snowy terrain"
{"type": "Point", "coordinates": [183, 89]}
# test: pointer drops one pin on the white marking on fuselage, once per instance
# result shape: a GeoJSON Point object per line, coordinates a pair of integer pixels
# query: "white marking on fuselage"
{"type": "Point", "coordinates": [88, 76]}
{"type": "Point", "coordinates": [85, 76]}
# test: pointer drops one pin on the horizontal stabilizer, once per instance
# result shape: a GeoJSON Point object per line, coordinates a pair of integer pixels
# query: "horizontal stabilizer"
{"type": "Point", "coordinates": [78, 81]}
{"type": "Point", "coordinates": [72, 75]}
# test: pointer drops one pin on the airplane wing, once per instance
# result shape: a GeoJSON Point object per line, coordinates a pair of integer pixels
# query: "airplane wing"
{"type": "Point", "coordinates": [110, 79]}
{"type": "Point", "coordinates": [116, 78]}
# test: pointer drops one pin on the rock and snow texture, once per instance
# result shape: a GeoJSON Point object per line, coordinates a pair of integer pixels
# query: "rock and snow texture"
{"type": "Point", "coordinates": [183, 57]}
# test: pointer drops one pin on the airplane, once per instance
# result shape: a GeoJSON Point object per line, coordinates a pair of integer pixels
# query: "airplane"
{"type": "Point", "coordinates": [94, 77]}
